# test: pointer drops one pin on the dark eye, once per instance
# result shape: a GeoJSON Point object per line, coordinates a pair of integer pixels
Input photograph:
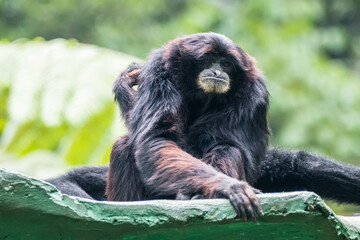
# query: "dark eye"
{"type": "Point", "coordinates": [225, 64]}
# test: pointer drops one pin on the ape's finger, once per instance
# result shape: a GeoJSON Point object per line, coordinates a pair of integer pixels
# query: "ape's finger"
{"type": "Point", "coordinates": [249, 208]}
{"type": "Point", "coordinates": [257, 191]}
{"type": "Point", "coordinates": [238, 205]}
{"type": "Point", "coordinates": [254, 202]}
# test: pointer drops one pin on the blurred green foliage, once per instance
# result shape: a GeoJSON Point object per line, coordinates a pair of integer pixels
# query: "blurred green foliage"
{"type": "Point", "coordinates": [56, 97]}
{"type": "Point", "coordinates": [58, 104]}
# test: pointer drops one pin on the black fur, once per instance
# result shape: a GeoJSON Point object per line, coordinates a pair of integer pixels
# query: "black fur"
{"type": "Point", "coordinates": [299, 170]}
{"type": "Point", "coordinates": [86, 182]}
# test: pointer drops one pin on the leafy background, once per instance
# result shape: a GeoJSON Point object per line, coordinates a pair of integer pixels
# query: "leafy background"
{"type": "Point", "coordinates": [57, 108]}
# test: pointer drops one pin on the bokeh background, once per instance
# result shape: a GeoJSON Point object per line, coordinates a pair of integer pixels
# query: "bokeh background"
{"type": "Point", "coordinates": [56, 104]}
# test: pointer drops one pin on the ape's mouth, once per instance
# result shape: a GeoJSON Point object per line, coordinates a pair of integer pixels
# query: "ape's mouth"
{"type": "Point", "coordinates": [214, 84]}
{"type": "Point", "coordinates": [215, 79]}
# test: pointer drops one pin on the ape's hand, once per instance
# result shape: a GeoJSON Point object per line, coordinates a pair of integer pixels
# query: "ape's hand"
{"type": "Point", "coordinates": [242, 197]}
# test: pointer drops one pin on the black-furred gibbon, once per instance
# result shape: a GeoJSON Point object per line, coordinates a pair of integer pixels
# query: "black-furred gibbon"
{"type": "Point", "coordinates": [198, 129]}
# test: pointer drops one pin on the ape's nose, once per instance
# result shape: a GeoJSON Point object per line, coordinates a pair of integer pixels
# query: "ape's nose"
{"type": "Point", "coordinates": [217, 73]}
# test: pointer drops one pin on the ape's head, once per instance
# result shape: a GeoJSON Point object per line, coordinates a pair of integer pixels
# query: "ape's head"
{"type": "Point", "coordinates": [212, 61]}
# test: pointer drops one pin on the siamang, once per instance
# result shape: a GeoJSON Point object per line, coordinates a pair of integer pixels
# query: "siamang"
{"type": "Point", "coordinates": [198, 129]}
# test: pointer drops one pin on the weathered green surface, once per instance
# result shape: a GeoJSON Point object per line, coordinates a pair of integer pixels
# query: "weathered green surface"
{"type": "Point", "coordinates": [32, 209]}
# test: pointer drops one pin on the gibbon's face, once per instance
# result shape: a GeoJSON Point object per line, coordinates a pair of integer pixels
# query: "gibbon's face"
{"type": "Point", "coordinates": [219, 64]}
{"type": "Point", "coordinates": [214, 78]}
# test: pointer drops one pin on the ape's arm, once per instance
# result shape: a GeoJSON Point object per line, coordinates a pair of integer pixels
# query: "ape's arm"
{"type": "Point", "coordinates": [228, 160]}
{"type": "Point", "coordinates": [125, 95]}
{"type": "Point", "coordinates": [281, 171]}
{"type": "Point", "coordinates": [298, 170]}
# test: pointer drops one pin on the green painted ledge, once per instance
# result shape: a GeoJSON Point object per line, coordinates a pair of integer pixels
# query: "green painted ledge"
{"type": "Point", "coordinates": [33, 209]}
